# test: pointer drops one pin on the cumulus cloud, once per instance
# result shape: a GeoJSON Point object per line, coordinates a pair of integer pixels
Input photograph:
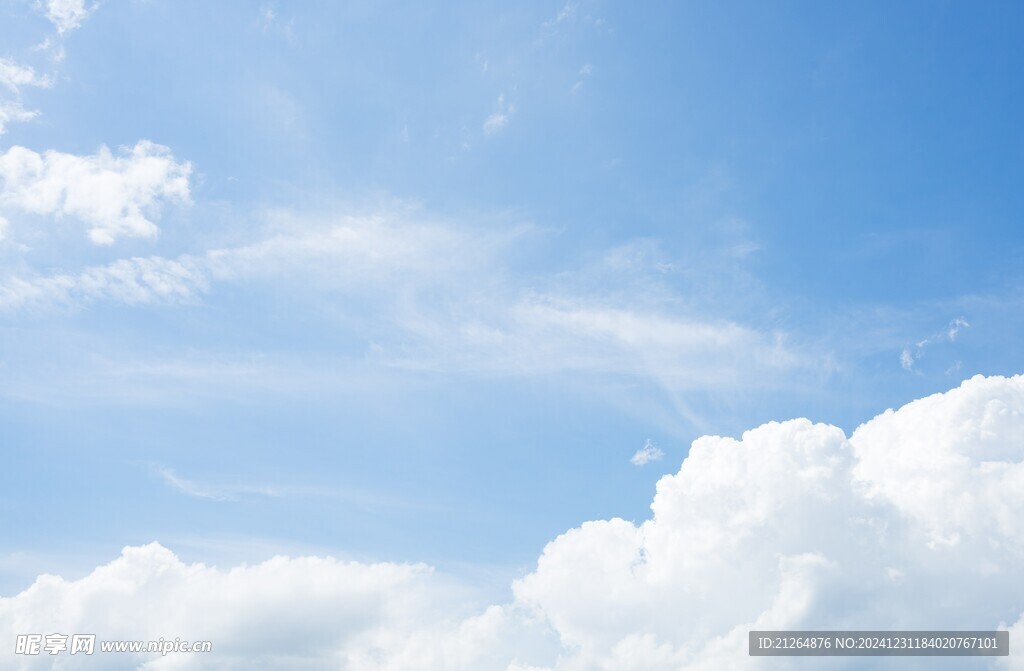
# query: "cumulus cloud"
{"type": "Point", "coordinates": [913, 522]}
{"type": "Point", "coordinates": [114, 195]}
{"type": "Point", "coordinates": [14, 76]}
{"type": "Point", "coordinates": [323, 605]}
{"type": "Point", "coordinates": [67, 15]}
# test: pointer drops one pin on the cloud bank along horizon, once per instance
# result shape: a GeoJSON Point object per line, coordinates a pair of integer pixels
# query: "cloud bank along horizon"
{"type": "Point", "coordinates": [912, 522]}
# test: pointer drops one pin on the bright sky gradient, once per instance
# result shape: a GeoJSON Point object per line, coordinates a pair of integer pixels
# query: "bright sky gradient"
{"type": "Point", "coordinates": [391, 281]}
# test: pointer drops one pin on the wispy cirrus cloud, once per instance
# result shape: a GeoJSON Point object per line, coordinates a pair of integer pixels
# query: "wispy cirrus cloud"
{"type": "Point", "coordinates": [235, 491]}
{"type": "Point", "coordinates": [910, 355]}
{"type": "Point", "coordinates": [133, 281]}
{"type": "Point", "coordinates": [448, 298]}
{"type": "Point", "coordinates": [213, 492]}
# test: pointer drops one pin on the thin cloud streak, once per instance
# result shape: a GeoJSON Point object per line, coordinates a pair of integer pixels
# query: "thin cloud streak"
{"type": "Point", "coordinates": [909, 356]}
{"type": "Point", "coordinates": [242, 492]}
{"type": "Point", "coordinates": [447, 299]}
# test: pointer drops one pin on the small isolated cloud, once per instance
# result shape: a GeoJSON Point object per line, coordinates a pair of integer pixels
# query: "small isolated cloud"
{"type": "Point", "coordinates": [267, 17]}
{"type": "Point", "coordinates": [910, 355]}
{"type": "Point", "coordinates": [500, 118]}
{"type": "Point", "coordinates": [67, 15]}
{"type": "Point", "coordinates": [583, 74]}
{"type": "Point", "coordinates": [915, 521]}
{"type": "Point", "coordinates": [495, 122]}
{"type": "Point", "coordinates": [13, 111]}
{"type": "Point", "coordinates": [566, 13]}
{"type": "Point", "coordinates": [14, 76]}
{"type": "Point", "coordinates": [646, 454]}
{"type": "Point", "coordinates": [954, 328]}
{"type": "Point", "coordinates": [907, 359]}
{"type": "Point", "coordinates": [115, 195]}
{"type": "Point", "coordinates": [269, 21]}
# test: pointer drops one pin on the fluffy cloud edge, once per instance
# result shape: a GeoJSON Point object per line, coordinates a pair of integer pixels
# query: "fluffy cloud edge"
{"type": "Point", "coordinates": [793, 525]}
{"type": "Point", "coordinates": [115, 195]}
{"type": "Point", "coordinates": [67, 15]}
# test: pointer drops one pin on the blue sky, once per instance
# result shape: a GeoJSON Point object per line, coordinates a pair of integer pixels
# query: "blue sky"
{"type": "Point", "coordinates": [430, 276]}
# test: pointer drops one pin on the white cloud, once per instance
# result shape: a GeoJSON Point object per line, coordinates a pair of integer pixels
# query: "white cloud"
{"type": "Point", "coordinates": [556, 332]}
{"type": "Point", "coordinates": [13, 76]}
{"type": "Point", "coordinates": [435, 296]}
{"type": "Point", "coordinates": [67, 15]}
{"type": "Point", "coordinates": [500, 118]}
{"type": "Point", "coordinates": [907, 359]}
{"type": "Point", "coordinates": [909, 356]}
{"type": "Point", "coordinates": [131, 281]}
{"type": "Point", "coordinates": [566, 13]}
{"type": "Point", "coordinates": [958, 472]}
{"type": "Point", "coordinates": [584, 73]}
{"type": "Point", "coordinates": [115, 195]}
{"type": "Point", "coordinates": [495, 122]}
{"type": "Point", "coordinates": [234, 491]}
{"type": "Point", "coordinates": [13, 111]}
{"type": "Point", "coordinates": [954, 328]}
{"type": "Point", "coordinates": [269, 21]}
{"type": "Point", "coordinates": [213, 492]}
{"type": "Point", "coordinates": [796, 527]}
{"type": "Point", "coordinates": [355, 250]}
{"type": "Point", "coordinates": [914, 522]}
{"type": "Point", "coordinates": [267, 16]}
{"type": "Point", "coordinates": [645, 455]}
{"type": "Point", "coordinates": [248, 612]}
{"type": "Point", "coordinates": [349, 254]}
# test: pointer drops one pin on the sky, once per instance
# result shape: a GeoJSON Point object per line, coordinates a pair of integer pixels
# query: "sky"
{"type": "Point", "coordinates": [423, 291]}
